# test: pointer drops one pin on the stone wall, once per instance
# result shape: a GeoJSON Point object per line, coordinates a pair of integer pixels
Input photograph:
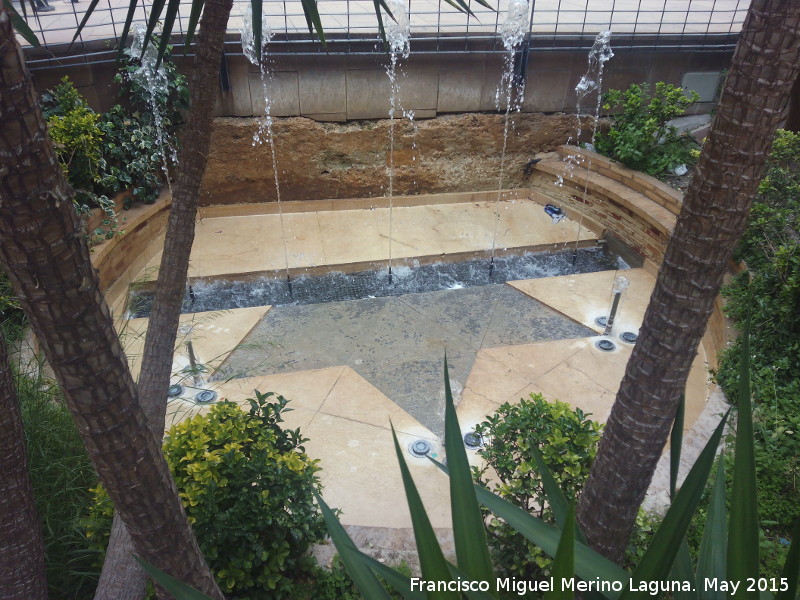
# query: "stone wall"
{"type": "Point", "coordinates": [454, 153]}
{"type": "Point", "coordinates": [614, 201]}
{"type": "Point", "coordinates": [636, 208]}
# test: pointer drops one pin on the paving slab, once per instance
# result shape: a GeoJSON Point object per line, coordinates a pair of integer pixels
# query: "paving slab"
{"type": "Point", "coordinates": [398, 343]}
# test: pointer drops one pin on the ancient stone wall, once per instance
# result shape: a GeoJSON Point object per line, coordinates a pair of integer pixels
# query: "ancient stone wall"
{"type": "Point", "coordinates": [454, 153]}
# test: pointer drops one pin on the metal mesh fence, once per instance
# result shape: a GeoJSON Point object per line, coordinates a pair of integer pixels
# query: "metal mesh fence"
{"type": "Point", "coordinates": [351, 25]}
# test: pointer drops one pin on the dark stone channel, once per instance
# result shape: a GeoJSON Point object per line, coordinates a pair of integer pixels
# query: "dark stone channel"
{"type": "Point", "coordinates": [225, 294]}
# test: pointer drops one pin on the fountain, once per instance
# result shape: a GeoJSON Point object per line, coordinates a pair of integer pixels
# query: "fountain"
{"type": "Point", "coordinates": [264, 131]}
{"type": "Point", "coordinates": [512, 33]}
{"type": "Point", "coordinates": [398, 32]}
{"type": "Point", "coordinates": [197, 390]}
{"type": "Point", "coordinates": [336, 286]}
{"type": "Point", "coordinates": [151, 75]}
{"type": "Point", "coordinates": [590, 82]}
{"type": "Point", "coordinates": [621, 283]}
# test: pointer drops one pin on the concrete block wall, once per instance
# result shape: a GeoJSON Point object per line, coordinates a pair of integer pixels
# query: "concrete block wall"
{"type": "Point", "coordinates": [337, 87]}
{"type": "Point", "coordinates": [352, 87]}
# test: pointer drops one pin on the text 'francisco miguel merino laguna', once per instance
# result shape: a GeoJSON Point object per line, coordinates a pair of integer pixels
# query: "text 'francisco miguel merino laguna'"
{"type": "Point", "coordinates": [523, 586]}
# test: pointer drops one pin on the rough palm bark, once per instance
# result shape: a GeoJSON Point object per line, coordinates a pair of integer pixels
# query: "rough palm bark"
{"type": "Point", "coordinates": [714, 214]}
{"type": "Point", "coordinates": [121, 577]}
{"type": "Point", "coordinates": [22, 565]}
{"type": "Point", "coordinates": [47, 261]}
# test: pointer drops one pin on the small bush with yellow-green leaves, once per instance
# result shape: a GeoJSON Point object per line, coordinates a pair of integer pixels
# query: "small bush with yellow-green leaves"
{"type": "Point", "coordinates": [247, 486]}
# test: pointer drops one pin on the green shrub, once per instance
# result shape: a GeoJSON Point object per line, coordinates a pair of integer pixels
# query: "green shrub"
{"type": "Point", "coordinates": [12, 319]}
{"type": "Point", "coordinates": [76, 135]}
{"type": "Point", "coordinates": [61, 475]}
{"type": "Point", "coordinates": [132, 154]}
{"type": "Point", "coordinates": [640, 136]}
{"type": "Point", "coordinates": [104, 154]}
{"type": "Point", "coordinates": [567, 441]}
{"type": "Point", "coordinates": [771, 249]}
{"type": "Point", "coordinates": [247, 486]}
{"type": "Point", "coordinates": [137, 136]}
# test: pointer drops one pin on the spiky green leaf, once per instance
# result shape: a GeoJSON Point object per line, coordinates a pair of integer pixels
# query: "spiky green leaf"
{"type": "Point", "coordinates": [178, 589]}
{"type": "Point", "coordinates": [564, 564]}
{"type": "Point", "coordinates": [257, 21]}
{"type": "Point", "coordinates": [361, 574]}
{"type": "Point", "coordinates": [743, 528]}
{"type": "Point", "coordinates": [194, 19]}
{"type": "Point", "coordinates": [469, 532]}
{"type": "Point", "coordinates": [711, 556]}
{"type": "Point", "coordinates": [431, 559]}
{"type": "Point", "coordinates": [791, 568]}
{"type": "Point", "coordinates": [675, 443]}
{"type": "Point", "coordinates": [19, 24]}
{"type": "Point", "coordinates": [660, 554]}
{"type": "Point", "coordinates": [126, 28]}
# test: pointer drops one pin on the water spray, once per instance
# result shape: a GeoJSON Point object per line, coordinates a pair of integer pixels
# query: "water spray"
{"type": "Point", "coordinates": [512, 34]}
{"type": "Point", "coordinates": [265, 126]}
{"type": "Point", "coordinates": [398, 34]}
{"type": "Point", "coordinates": [599, 55]}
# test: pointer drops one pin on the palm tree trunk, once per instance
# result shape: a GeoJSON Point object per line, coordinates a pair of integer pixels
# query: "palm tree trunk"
{"type": "Point", "coordinates": [122, 578]}
{"type": "Point", "coordinates": [753, 105]}
{"type": "Point", "coordinates": [22, 564]}
{"type": "Point", "coordinates": [47, 261]}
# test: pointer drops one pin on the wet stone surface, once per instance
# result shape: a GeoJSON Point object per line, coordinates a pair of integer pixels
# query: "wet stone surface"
{"type": "Point", "coordinates": [337, 286]}
{"type": "Point", "coordinates": [397, 343]}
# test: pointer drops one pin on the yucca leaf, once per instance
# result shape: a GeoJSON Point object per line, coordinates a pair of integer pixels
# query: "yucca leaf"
{"type": "Point", "coordinates": [682, 570]}
{"type": "Point", "coordinates": [400, 583]}
{"type": "Point", "coordinates": [20, 26]}
{"type": "Point", "coordinates": [454, 5]}
{"type": "Point", "coordinates": [791, 568]}
{"type": "Point", "coordinates": [682, 567]}
{"type": "Point", "coordinates": [194, 18]}
{"type": "Point", "coordinates": [675, 443]}
{"type": "Point", "coordinates": [660, 554]}
{"type": "Point", "coordinates": [87, 14]}
{"type": "Point", "coordinates": [743, 525]}
{"type": "Point", "coordinates": [166, 30]}
{"type": "Point", "coordinates": [313, 21]}
{"type": "Point", "coordinates": [554, 495]}
{"type": "Point", "coordinates": [469, 532]}
{"type": "Point", "coordinates": [431, 559]}
{"type": "Point", "coordinates": [486, 5]}
{"type": "Point", "coordinates": [385, 7]}
{"type": "Point", "coordinates": [155, 14]}
{"type": "Point", "coordinates": [126, 28]}
{"type": "Point", "coordinates": [361, 574]}
{"type": "Point", "coordinates": [257, 21]}
{"type": "Point", "coordinates": [563, 566]}
{"type": "Point", "coordinates": [378, 4]}
{"type": "Point", "coordinates": [711, 556]}
{"type": "Point", "coordinates": [589, 565]}
{"type": "Point", "coordinates": [178, 589]}
{"type": "Point", "coordinates": [457, 574]}
{"type": "Point", "coordinates": [465, 7]}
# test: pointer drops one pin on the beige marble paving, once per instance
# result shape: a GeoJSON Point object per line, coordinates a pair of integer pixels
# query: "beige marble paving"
{"type": "Point", "coordinates": [347, 422]}
{"type": "Point", "coordinates": [573, 371]}
{"type": "Point", "coordinates": [588, 296]}
{"type": "Point", "coordinates": [254, 242]}
{"type": "Point", "coordinates": [346, 418]}
{"type": "Point", "coordinates": [214, 335]}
